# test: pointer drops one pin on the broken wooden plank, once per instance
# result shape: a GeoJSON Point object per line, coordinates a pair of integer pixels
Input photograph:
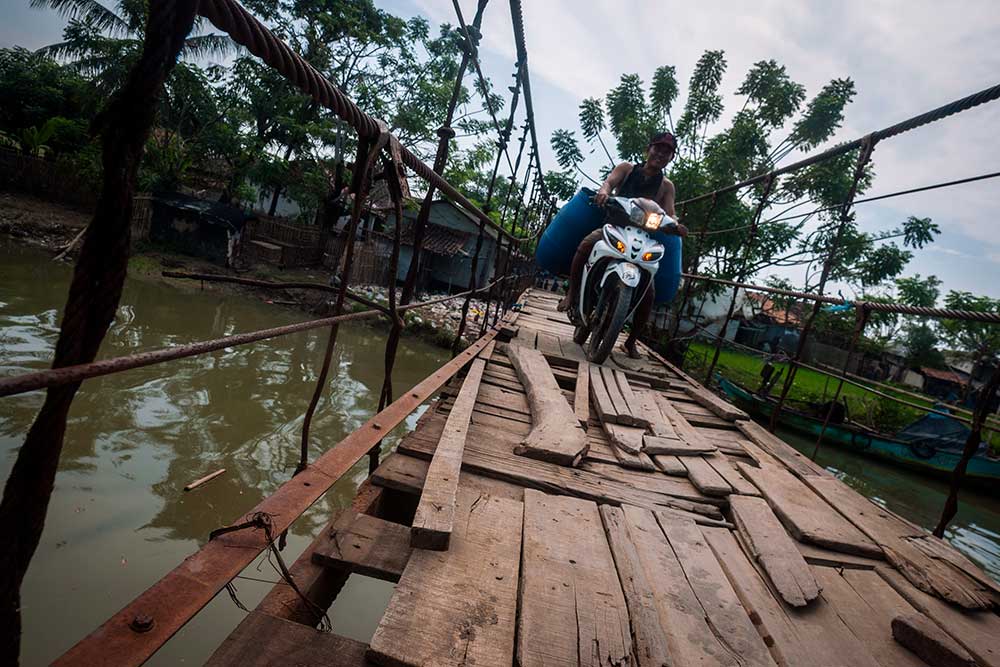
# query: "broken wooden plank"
{"type": "Point", "coordinates": [704, 477]}
{"type": "Point", "coordinates": [555, 434]}
{"type": "Point", "coordinates": [623, 413]}
{"type": "Point", "coordinates": [815, 555]}
{"type": "Point", "coordinates": [548, 344]}
{"type": "Point", "coordinates": [262, 639]}
{"type": "Point", "coordinates": [867, 606]}
{"type": "Point", "coordinates": [684, 430]}
{"type": "Point", "coordinates": [571, 350]}
{"type": "Point", "coordinates": [626, 438]}
{"type": "Point", "coordinates": [929, 642]}
{"type": "Point", "coordinates": [977, 631]}
{"type": "Point", "coordinates": [366, 545]}
{"type": "Point", "coordinates": [573, 610]}
{"type": "Point", "coordinates": [770, 545]}
{"type": "Point", "coordinates": [932, 573]}
{"type": "Point", "coordinates": [670, 465]}
{"type": "Point", "coordinates": [806, 516]}
{"type": "Point", "coordinates": [581, 396]}
{"type": "Point", "coordinates": [631, 401]}
{"type": "Point", "coordinates": [407, 474]}
{"type": "Point", "coordinates": [640, 461]}
{"type": "Point", "coordinates": [599, 393]}
{"type": "Point", "coordinates": [646, 406]}
{"type": "Point", "coordinates": [507, 333]}
{"type": "Point", "coordinates": [651, 644]}
{"type": "Point", "coordinates": [717, 405]}
{"type": "Point", "coordinates": [435, 517]}
{"type": "Point", "coordinates": [653, 444]}
{"type": "Point", "coordinates": [458, 607]}
{"type": "Point", "coordinates": [726, 470]}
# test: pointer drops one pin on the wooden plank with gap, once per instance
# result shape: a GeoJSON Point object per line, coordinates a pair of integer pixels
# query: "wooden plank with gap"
{"type": "Point", "coordinates": [407, 474]}
{"type": "Point", "coordinates": [367, 545]}
{"type": "Point", "coordinates": [689, 638]}
{"type": "Point", "coordinates": [797, 637]}
{"type": "Point", "coordinates": [867, 605]}
{"type": "Point", "coordinates": [806, 516]}
{"type": "Point", "coordinates": [715, 594]}
{"type": "Point", "coordinates": [458, 607]}
{"type": "Point", "coordinates": [435, 517]}
{"type": "Point", "coordinates": [704, 477]}
{"type": "Point", "coordinates": [721, 464]}
{"type": "Point", "coordinates": [622, 411]}
{"type": "Point", "coordinates": [548, 344]}
{"type": "Point", "coordinates": [654, 444]}
{"type": "Point", "coordinates": [646, 406]}
{"type": "Point", "coordinates": [599, 393]}
{"type": "Point", "coordinates": [771, 546]}
{"type": "Point", "coordinates": [581, 395]}
{"type": "Point", "coordinates": [262, 639]}
{"type": "Point", "coordinates": [631, 401]}
{"type": "Point", "coordinates": [627, 438]}
{"type": "Point", "coordinates": [682, 427]}
{"type": "Point", "coordinates": [978, 632]}
{"type": "Point", "coordinates": [670, 465]}
{"type": "Point", "coordinates": [573, 611]}
{"type": "Point", "coordinates": [555, 435]}
{"type": "Point", "coordinates": [651, 646]}
{"type": "Point", "coordinates": [718, 406]}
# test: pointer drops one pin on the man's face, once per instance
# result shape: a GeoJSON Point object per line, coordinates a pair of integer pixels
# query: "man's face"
{"type": "Point", "coordinates": [659, 155]}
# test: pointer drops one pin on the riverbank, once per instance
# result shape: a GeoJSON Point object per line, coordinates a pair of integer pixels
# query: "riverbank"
{"type": "Point", "coordinates": [52, 227]}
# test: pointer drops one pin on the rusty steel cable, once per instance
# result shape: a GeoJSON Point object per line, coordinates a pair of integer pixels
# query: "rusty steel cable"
{"type": "Point", "coordinates": [517, 20]}
{"type": "Point", "coordinates": [230, 17]}
{"type": "Point", "coordinates": [964, 104]}
{"type": "Point", "coordinates": [55, 377]}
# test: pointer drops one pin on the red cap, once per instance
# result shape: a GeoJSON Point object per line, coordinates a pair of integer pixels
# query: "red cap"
{"type": "Point", "coordinates": [664, 138]}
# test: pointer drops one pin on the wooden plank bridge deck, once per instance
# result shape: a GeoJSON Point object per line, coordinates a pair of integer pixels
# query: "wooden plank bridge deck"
{"type": "Point", "coordinates": [678, 534]}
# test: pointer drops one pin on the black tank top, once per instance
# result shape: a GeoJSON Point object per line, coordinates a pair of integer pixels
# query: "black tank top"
{"type": "Point", "coordinates": [637, 184]}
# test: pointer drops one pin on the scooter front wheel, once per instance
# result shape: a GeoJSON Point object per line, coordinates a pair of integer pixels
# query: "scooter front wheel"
{"type": "Point", "coordinates": [610, 321]}
{"type": "Point", "coordinates": [580, 334]}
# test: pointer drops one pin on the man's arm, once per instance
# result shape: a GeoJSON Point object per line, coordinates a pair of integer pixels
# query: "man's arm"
{"type": "Point", "coordinates": [614, 179]}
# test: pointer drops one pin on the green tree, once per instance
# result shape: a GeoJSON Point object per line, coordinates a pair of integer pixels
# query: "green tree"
{"type": "Point", "coordinates": [979, 340]}
{"type": "Point", "coordinates": [921, 343]}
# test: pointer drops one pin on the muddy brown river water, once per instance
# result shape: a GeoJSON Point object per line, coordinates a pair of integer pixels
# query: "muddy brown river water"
{"type": "Point", "coordinates": [119, 518]}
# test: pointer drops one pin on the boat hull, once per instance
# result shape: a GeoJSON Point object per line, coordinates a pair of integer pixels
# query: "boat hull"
{"type": "Point", "coordinates": [981, 471]}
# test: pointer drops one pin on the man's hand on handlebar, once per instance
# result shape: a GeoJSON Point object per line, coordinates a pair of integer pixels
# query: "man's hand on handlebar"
{"type": "Point", "coordinates": [601, 198]}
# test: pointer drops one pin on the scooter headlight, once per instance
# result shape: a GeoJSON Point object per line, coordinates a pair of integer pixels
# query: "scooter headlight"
{"type": "Point", "coordinates": [652, 221]}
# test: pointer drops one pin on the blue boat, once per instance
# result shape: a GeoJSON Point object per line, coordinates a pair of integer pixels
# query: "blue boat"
{"type": "Point", "coordinates": [931, 445]}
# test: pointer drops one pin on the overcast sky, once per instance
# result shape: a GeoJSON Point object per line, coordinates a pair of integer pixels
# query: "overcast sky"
{"type": "Point", "coordinates": [904, 57]}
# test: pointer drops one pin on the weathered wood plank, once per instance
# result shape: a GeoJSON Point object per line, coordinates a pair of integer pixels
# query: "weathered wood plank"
{"type": "Point", "coordinates": [932, 573]}
{"type": "Point", "coordinates": [599, 393]}
{"type": "Point", "coordinates": [631, 400]}
{"type": "Point", "coordinates": [715, 595]}
{"type": "Point", "coordinates": [458, 607]}
{"type": "Point", "coordinates": [670, 465]}
{"type": "Point", "coordinates": [815, 555]}
{"type": "Point", "coordinates": [726, 470]}
{"type": "Point", "coordinates": [622, 410]}
{"type": "Point", "coordinates": [653, 444]}
{"type": "Point", "coordinates": [682, 427]}
{"type": "Point", "coordinates": [934, 647]}
{"type": "Point", "coordinates": [770, 545]}
{"type": "Point", "coordinates": [778, 448]}
{"type": "Point", "coordinates": [646, 406]}
{"type": "Point", "coordinates": [977, 631]}
{"type": "Point", "coordinates": [867, 606]}
{"type": "Point", "coordinates": [262, 639]}
{"type": "Point", "coordinates": [407, 474]}
{"type": "Point", "coordinates": [573, 611]}
{"type": "Point", "coordinates": [366, 545]}
{"type": "Point", "coordinates": [651, 644]}
{"type": "Point", "coordinates": [526, 337]}
{"type": "Point", "coordinates": [581, 396]}
{"type": "Point", "coordinates": [571, 350]}
{"type": "Point", "coordinates": [672, 492]}
{"type": "Point", "coordinates": [555, 435]}
{"type": "Point", "coordinates": [435, 517]}
{"type": "Point", "coordinates": [626, 438]}
{"type": "Point", "coordinates": [548, 344]}
{"type": "Point", "coordinates": [704, 477]}
{"type": "Point", "coordinates": [805, 637]}
{"type": "Point", "coordinates": [806, 516]}
{"type": "Point", "coordinates": [717, 405]}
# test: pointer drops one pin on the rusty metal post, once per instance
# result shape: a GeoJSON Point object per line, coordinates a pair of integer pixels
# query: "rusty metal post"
{"type": "Point", "coordinates": [971, 445]}
{"type": "Point", "coordinates": [864, 157]}
{"type": "Point", "coordinates": [862, 314]}
{"type": "Point", "coordinates": [751, 235]}
{"type": "Point", "coordinates": [504, 137]}
{"type": "Point", "coordinates": [367, 153]}
{"type": "Point", "coordinates": [693, 264]}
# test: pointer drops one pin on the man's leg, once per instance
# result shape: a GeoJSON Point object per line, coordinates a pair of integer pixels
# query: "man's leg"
{"type": "Point", "coordinates": [639, 321]}
{"type": "Point", "coordinates": [576, 268]}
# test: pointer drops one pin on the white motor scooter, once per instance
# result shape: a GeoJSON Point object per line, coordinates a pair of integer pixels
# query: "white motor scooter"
{"type": "Point", "coordinates": [618, 273]}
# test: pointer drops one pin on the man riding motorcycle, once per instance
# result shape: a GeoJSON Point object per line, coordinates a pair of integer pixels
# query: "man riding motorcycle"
{"type": "Point", "coordinates": [644, 179]}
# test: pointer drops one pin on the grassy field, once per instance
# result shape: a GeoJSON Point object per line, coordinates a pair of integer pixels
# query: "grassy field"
{"type": "Point", "coordinates": [864, 407]}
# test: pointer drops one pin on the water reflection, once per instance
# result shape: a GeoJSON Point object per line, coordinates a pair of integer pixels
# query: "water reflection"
{"type": "Point", "coordinates": [975, 530]}
{"type": "Point", "coordinates": [119, 518]}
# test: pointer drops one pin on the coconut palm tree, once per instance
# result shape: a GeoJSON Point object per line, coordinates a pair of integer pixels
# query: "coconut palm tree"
{"type": "Point", "coordinates": [103, 43]}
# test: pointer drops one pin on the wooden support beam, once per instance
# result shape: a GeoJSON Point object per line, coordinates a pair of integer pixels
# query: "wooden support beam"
{"type": "Point", "coordinates": [917, 633]}
{"type": "Point", "coordinates": [435, 517]}
{"type": "Point", "coordinates": [556, 434]}
{"type": "Point", "coordinates": [367, 545]}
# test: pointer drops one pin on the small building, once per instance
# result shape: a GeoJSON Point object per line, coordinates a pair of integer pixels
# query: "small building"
{"type": "Point", "coordinates": [948, 385]}
{"type": "Point", "coordinates": [191, 226]}
{"type": "Point", "coordinates": [448, 249]}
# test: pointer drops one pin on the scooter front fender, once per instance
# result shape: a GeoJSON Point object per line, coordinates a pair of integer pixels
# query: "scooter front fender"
{"type": "Point", "coordinates": [627, 272]}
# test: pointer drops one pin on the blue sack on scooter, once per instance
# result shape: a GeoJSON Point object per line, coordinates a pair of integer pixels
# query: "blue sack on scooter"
{"type": "Point", "coordinates": [577, 219]}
